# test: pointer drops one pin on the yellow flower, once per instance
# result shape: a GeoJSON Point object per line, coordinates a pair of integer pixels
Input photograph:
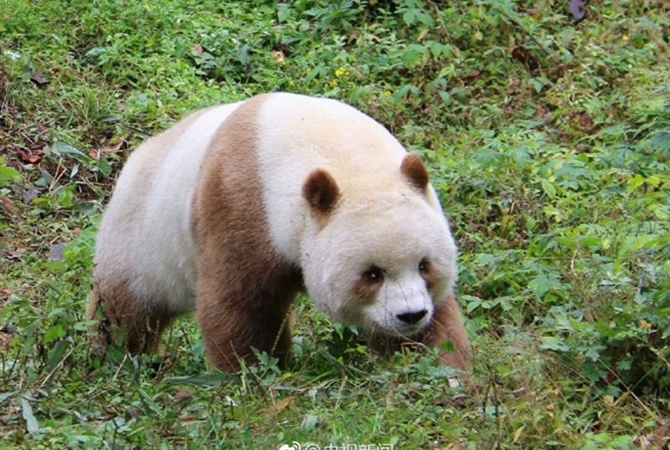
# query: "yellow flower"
{"type": "Point", "coordinates": [644, 324]}
{"type": "Point", "coordinates": [624, 37]}
{"type": "Point", "coordinates": [341, 72]}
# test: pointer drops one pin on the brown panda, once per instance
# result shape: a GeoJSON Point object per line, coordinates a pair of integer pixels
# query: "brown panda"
{"type": "Point", "coordinates": [237, 208]}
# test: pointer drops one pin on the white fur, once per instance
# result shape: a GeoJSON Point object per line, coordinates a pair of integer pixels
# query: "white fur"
{"type": "Point", "coordinates": [380, 219]}
{"type": "Point", "coordinates": [301, 134]}
{"type": "Point", "coordinates": [154, 222]}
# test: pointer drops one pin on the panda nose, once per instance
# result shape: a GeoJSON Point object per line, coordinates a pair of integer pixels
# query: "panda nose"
{"type": "Point", "coordinates": [412, 317]}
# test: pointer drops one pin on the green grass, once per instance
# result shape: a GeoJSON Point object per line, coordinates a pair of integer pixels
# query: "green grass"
{"type": "Point", "coordinates": [548, 143]}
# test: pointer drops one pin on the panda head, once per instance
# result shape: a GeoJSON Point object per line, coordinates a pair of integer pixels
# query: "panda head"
{"type": "Point", "coordinates": [381, 263]}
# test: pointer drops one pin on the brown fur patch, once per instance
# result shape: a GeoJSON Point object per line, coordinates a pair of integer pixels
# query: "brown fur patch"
{"type": "Point", "coordinates": [429, 275]}
{"type": "Point", "coordinates": [244, 289]}
{"type": "Point", "coordinates": [413, 169]}
{"type": "Point", "coordinates": [366, 290]}
{"type": "Point", "coordinates": [447, 325]}
{"type": "Point", "coordinates": [140, 322]}
{"type": "Point", "coordinates": [321, 192]}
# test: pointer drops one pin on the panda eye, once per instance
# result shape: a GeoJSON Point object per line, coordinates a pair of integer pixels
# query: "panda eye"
{"type": "Point", "coordinates": [424, 266]}
{"type": "Point", "coordinates": [374, 274]}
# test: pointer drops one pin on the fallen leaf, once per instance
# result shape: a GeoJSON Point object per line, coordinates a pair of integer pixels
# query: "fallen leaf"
{"type": "Point", "coordinates": [10, 255]}
{"type": "Point", "coordinates": [28, 156]}
{"type": "Point", "coordinates": [109, 148]}
{"type": "Point", "coordinates": [662, 436]}
{"type": "Point", "coordinates": [56, 252]}
{"type": "Point", "coordinates": [6, 333]}
{"type": "Point", "coordinates": [357, 72]}
{"type": "Point", "coordinates": [585, 121]}
{"type": "Point", "coordinates": [280, 406]}
{"type": "Point", "coordinates": [31, 422]}
{"type": "Point", "coordinates": [472, 75]}
{"type": "Point", "coordinates": [37, 78]}
{"type": "Point", "coordinates": [8, 206]}
{"type": "Point", "coordinates": [453, 446]}
{"type": "Point", "coordinates": [526, 58]}
{"type": "Point", "coordinates": [578, 10]}
{"type": "Point", "coordinates": [30, 194]}
{"type": "Point", "coordinates": [181, 396]}
{"type": "Point", "coordinates": [536, 13]}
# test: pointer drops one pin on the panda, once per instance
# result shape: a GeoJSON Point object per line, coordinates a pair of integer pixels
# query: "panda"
{"type": "Point", "coordinates": [237, 208]}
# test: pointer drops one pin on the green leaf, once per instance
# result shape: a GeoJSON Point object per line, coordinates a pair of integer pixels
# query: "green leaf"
{"type": "Point", "coordinates": [543, 283]}
{"type": "Point", "coordinates": [283, 12]}
{"type": "Point", "coordinates": [104, 167]}
{"type": "Point", "coordinates": [60, 148]}
{"type": "Point", "coordinates": [409, 16]}
{"type": "Point", "coordinates": [53, 333]}
{"type": "Point", "coordinates": [635, 182]}
{"type": "Point", "coordinates": [447, 346]}
{"type": "Point", "coordinates": [548, 188]}
{"type": "Point", "coordinates": [413, 55]}
{"type": "Point", "coordinates": [310, 422]}
{"type": "Point", "coordinates": [7, 173]}
{"type": "Point", "coordinates": [149, 402]}
{"type": "Point", "coordinates": [554, 343]}
{"type": "Point", "coordinates": [56, 354]}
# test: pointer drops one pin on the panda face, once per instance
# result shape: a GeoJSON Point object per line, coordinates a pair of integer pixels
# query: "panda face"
{"type": "Point", "coordinates": [383, 267]}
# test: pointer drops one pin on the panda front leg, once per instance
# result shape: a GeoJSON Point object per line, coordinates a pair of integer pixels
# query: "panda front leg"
{"type": "Point", "coordinates": [235, 317]}
{"type": "Point", "coordinates": [447, 325]}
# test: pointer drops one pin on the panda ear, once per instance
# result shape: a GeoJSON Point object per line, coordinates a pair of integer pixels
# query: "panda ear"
{"type": "Point", "coordinates": [321, 192]}
{"type": "Point", "coordinates": [413, 169]}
